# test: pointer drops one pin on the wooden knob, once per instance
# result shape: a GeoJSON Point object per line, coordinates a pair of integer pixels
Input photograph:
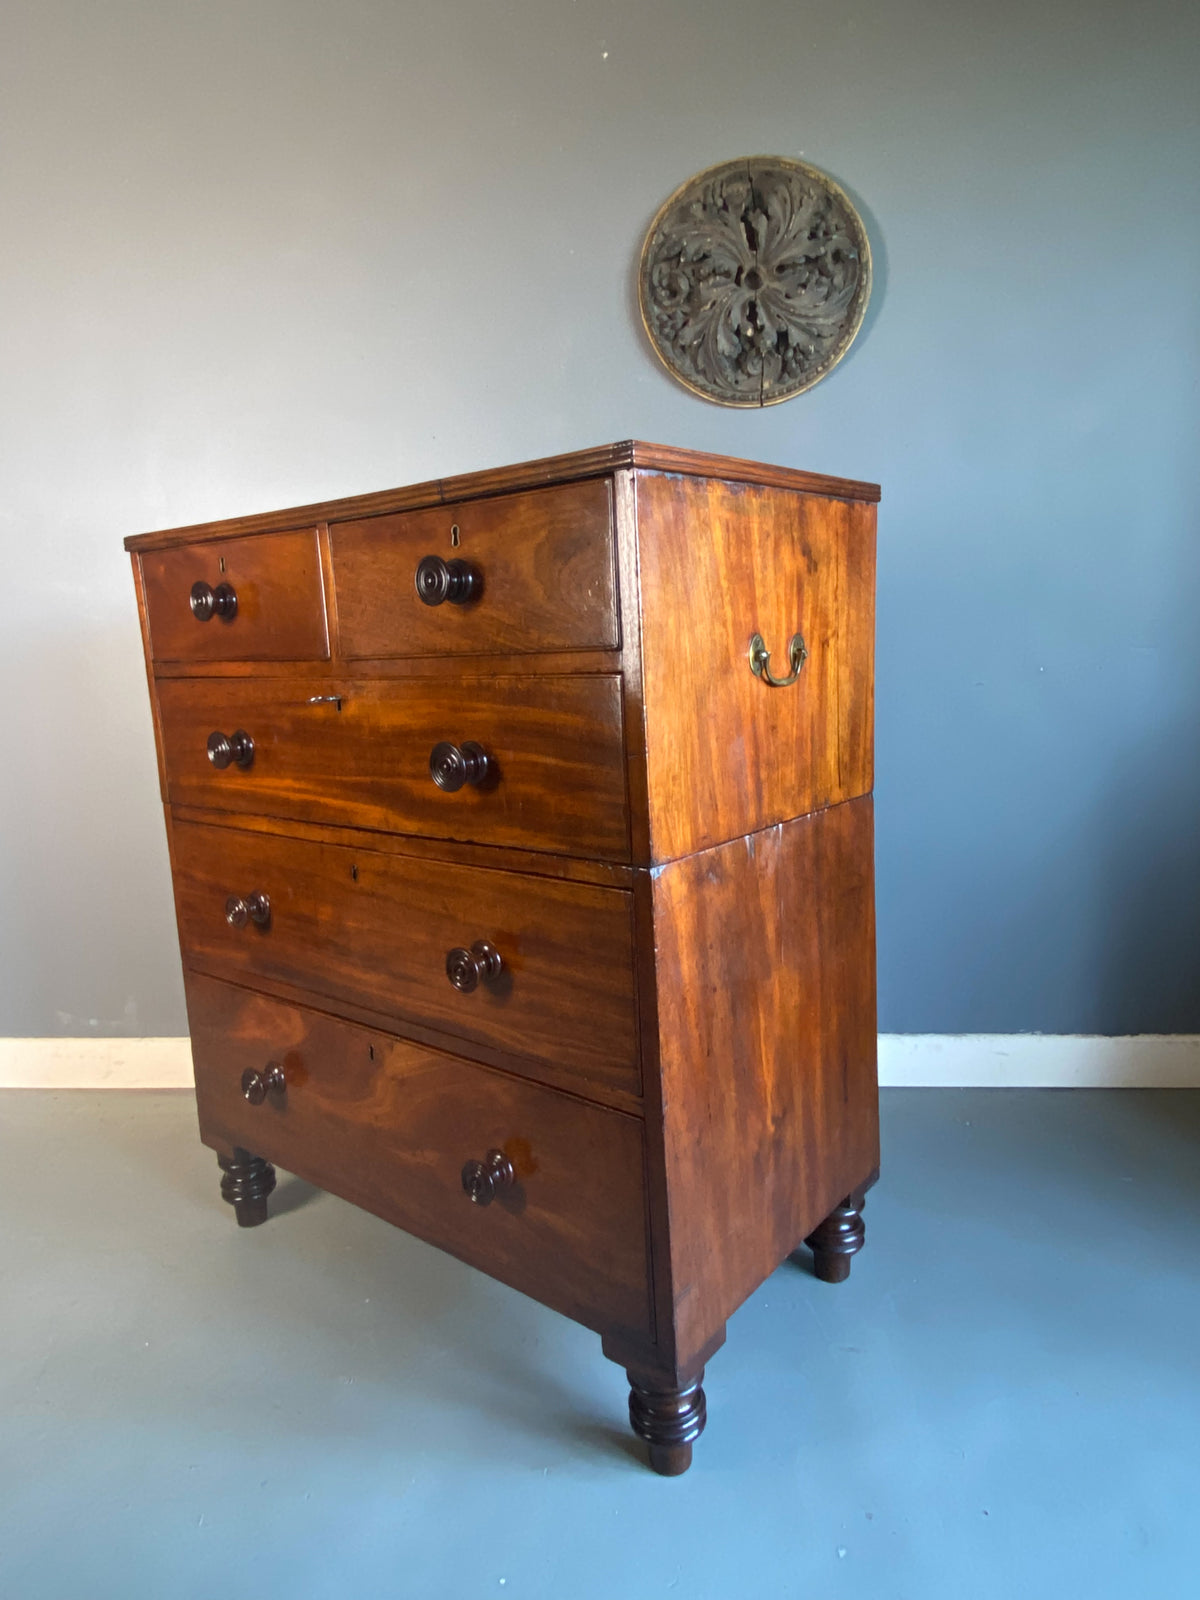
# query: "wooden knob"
{"type": "Point", "coordinates": [453, 765]}
{"type": "Point", "coordinates": [256, 1086]}
{"type": "Point", "coordinates": [441, 581]}
{"type": "Point", "coordinates": [234, 749]}
{"type": "Point", "coordinates": [254, 908]}
{"type": "Point", "coordinates": [207, 602]}
{"type": "Point", "coordinates": [483, 1180]}
{"type": "Point", "coordinates": [467, 968]}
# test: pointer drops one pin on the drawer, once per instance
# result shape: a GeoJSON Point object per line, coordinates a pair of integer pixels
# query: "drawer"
{"type": "Point", "coordinates": [540, 567]}
{"type": "Point", "coordinates": [278, 611]}
{"type": "Point", "coordinates": [358, 753]}
{"type": "Point", "coordinates": [389, 1126]}
{"type": "Point", "coordinates": [376, 929]}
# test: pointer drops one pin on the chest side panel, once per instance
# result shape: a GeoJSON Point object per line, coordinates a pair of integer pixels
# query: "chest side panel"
{"type": "Point", "coordinates": [727, 753]}
{"type": "Point", "coordinates": [765, 976]}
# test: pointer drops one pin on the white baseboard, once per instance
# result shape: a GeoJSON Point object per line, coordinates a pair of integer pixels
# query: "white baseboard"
{"type": "Point", "coordinates": [906, 1060]}
{"type": "Point", "coordinates": [1039, 1061]}
{"type": "Point", "coordinates": [95, 1063]}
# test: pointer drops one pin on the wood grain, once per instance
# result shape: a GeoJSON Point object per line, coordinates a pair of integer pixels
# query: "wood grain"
{"type": "Point", "coordinates": [727, 754]}
{"type": "Point", "coordinates": [555, 663]}
{"type": "Point", "coordinates": [139, 588]}
{"type": "Point", "coordinates": [597, 462]}
{"type": "Point", "coordinates": [375, 929]}
{"type": "Point", "coordinates": [280, 600]}
{"type": "Point", "coordinates": [765, 977]}
{"type": "Point", "coordinates": [673, 858]}
{"type": "Point", "coordinates": [629, 588]}
{"type": "Point", "coordinates": [544, 560]}
{"type": "Point", "coordinates": [530, 863]}
{"type": "Point", "coordinates": [556, 745]}
{"type": "Point", "coordinates": [388, 1125]}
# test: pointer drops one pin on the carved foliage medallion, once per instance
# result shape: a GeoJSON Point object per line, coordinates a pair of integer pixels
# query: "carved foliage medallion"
{"type": "Point", "coordinates": [754, 279]}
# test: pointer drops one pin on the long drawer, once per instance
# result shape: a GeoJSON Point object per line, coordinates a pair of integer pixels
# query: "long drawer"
{"type": "Point", "coordinates": [378, 930]}
{"type": "Point", "coordinates": [390, 1126]}
{"type": "Point", "coordinates": [358, 752]}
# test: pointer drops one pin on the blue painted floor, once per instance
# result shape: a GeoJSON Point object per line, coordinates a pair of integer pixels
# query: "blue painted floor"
{"type": "Point", "coordinates": [1004, 1401]}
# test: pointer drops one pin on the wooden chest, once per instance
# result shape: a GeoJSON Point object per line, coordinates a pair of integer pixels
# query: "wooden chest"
{"type": "Point", "coordinates": [521, 834]}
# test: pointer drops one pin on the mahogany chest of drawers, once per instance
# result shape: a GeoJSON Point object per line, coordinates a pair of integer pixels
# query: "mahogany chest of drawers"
{"type": "Point", "coordinates": [521, 834]}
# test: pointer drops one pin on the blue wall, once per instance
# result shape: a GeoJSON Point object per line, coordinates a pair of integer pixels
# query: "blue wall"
{"type": "Point", "coordinates": [265, 252]}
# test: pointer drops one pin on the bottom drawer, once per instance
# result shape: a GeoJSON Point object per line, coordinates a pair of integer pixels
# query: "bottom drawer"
{"type": "Point", "coordinates": [389, 1125]}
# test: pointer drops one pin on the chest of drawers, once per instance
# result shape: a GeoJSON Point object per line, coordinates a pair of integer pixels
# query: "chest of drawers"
{"type": "Point", "coordinates": [521, 835]}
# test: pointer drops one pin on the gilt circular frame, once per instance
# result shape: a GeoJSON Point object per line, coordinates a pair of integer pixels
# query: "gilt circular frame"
{"type": "Point", "coordinates": [754, 280]}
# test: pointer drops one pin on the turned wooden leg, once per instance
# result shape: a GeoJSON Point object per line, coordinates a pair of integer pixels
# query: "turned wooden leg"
{"type": "Point", "coordinates": [246, 1181]}
{"type": "Point", "coordinates": [839, 1237]}
{"type": "Point", "coordinates": [669, 1418]}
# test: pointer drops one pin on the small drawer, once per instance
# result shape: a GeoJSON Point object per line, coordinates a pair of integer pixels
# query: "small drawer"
{"type": "Point", "coordinates": [391, 1126]}
{"type": "Point", "coordinates": [534, 762]}
{"type": "Point", "coordinates": [553, 983]}
{"type": "Point", "coordinates": [511, 575]}
{"type": "Point", "coordinates": [237, 600]}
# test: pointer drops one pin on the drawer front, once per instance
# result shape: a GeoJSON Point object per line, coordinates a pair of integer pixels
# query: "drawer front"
{"type": "Point", "coordinates": [358, 753]}
{"type": "Point", "coordinates": [389, 1126]}
{"type": "Point", "coordinates": [376, 929]}
{"type": "Point", "coordinates": [540, 566]}
{"type": "Point", "coordinates": [278, 611]}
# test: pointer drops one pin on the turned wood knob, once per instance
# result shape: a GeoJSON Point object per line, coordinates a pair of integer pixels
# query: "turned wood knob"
{"type": "Point", "coordinates": [256, 1086]}
{"type": "Point", "coordinates": [207, 602]}
{"type": "Point", "coordinates": [439, 581]}
{"type": "Point", "coordinates": [467, 968]}
{"type": "Point", "coordinates": [233, 749]}
{"type": "Point", "coordinates": [254, 908]}
{"type": "Point", "coordinates": [452, 765]}
{"type": "Point", "coordinates": [483, 1180]}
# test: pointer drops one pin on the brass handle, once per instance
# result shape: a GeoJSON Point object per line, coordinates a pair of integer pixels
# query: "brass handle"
{"type": "Point", "coordinates": [207, 602]}
{"type": "Point", "coordinates": [437, 581]}
{"type": "Point", "coordinates": [254, 908]}
{"type": "Point", "coordinates": [236, 749]}
{"type": "Point", "coordinates": [465, 968]}
{"type": "Point", "coordinates": [482, 1179]}
{"type": "Point", "coordinates": [256, 1086]}
{"type": "Point", "coordinates": [760, 660]}
{"type": "Point", "coordinates": [452, 765]}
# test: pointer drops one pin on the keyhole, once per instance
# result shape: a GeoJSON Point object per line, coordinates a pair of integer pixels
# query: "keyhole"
{"type": "Point", "coordinates": [221, 563]}
{"type": "Point", "coordinates": [354, 873]}
{"type": "Point", "coordinates": [454, 535]}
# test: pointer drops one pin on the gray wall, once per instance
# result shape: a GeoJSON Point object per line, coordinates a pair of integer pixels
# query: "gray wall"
{"type": "Point", "coordinates": [260, 253]}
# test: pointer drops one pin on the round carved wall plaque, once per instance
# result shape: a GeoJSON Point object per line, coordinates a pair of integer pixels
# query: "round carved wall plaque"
{"type": "Point", "coordinates": [754, 279]}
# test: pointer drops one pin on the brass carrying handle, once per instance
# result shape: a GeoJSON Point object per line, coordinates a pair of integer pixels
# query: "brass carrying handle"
{"type": "Point", "coordinates": [760, 660]}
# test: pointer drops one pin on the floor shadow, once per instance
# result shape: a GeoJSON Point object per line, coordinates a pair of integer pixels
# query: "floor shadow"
{"type": "Point", "coordinates": [598, 1436]}
{"type": "Point", "coordinates": [292, 1194]}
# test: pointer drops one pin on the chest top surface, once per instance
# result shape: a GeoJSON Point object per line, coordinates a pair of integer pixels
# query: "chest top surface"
{"type": "Point", "coordinates": [597, 462]}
